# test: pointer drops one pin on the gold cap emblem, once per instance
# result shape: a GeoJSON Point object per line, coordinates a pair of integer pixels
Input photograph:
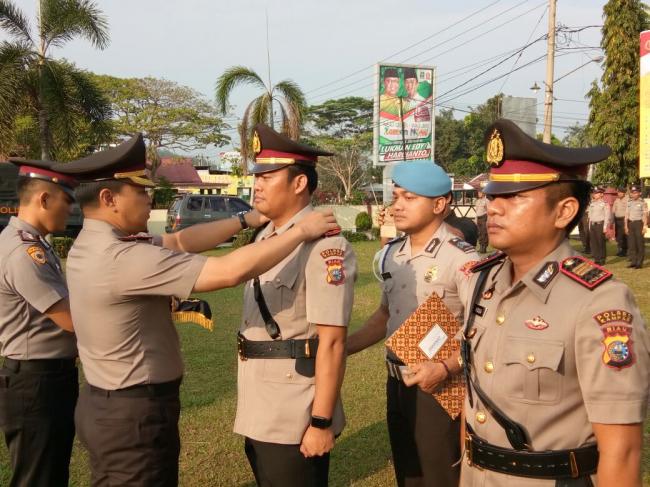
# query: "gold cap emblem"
{"type": "Point", "coordinates": [257, 145]}
{"type": "Point", "coordinates": [495, 149]}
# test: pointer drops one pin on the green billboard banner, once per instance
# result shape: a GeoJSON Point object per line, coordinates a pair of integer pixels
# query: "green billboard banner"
{"type": "Point", "coordinates": [404, 115]}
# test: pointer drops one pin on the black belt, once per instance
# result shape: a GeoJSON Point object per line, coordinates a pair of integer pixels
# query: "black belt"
{"type": "Point", "coordinates": [550, 464]}
{"type": "Point", "coordinates": [144, 390]}
{"type": "Point", "coordinates": [276, 348]}
{"type": "Point", "coordinates": [40, 365]}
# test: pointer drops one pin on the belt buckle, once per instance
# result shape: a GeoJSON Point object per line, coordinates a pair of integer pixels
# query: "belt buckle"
{"type": "Point", "coordinates": [575, 472]}
{"type": "Point", "coordinates": [240, 347]}
{"type": "Point", "coordinates": [468, 449]}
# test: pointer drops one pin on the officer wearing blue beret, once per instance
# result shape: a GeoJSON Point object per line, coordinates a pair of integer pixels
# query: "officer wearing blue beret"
{"type": "Point", "coordinates": [428, 258]}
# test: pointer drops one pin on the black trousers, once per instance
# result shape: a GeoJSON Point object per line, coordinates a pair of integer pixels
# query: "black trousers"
{"type": "Point", "coordinates": [131, 441]}
{"type": "Point", "coordinates": [583, 230]}
{"type": "Point", "coordinates": [597, 240]}
{"type": "Point", "coordinates": [621, 238]}
{"type": "Point", "coordinates": [636, 242]}
{"type": "Point", "coordinates": [276, 465]}
{"type": "Point", "coordinates": [425, 441]}
{"type": "Point", "coordinates": [482, 233]}
{"type": "Point", "coordinates": [37, 419]}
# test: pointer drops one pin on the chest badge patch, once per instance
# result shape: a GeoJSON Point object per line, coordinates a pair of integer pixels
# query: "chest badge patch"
{"type": "Point", "coordinates": [334, 263]}
{"type": "Point", "coordinates": [536, 323]}
{"type": "Point", "coordinates": [431, 274]}
{"type": "Point", "coordinates": [37, 254]}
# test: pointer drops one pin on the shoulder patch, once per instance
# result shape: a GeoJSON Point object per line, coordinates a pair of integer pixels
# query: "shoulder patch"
{"type": "Point", "coordinates": [489, 261]}
{"type": "Point", "coordinates": [460, 244]}
{"type": "Point", "coordinates": [584, 271]}
{"type": "Point", "coordinates": [27, 237]}
{"type": "Point", "coordinates": [37, 254]}
{"type": "Point", "coordinates": [546, 274]}
{"type": "Point", "coordinates": [138, 237]}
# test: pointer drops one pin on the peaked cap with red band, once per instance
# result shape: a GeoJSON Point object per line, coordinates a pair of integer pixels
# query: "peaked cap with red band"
{"type": "Point", "coordinates": [519, 162]}
{"type": "Point", "coordinates": [125, 162]}
{"type": "Point", "coordinates": [43, 170]}
{"type": "Point", "coordinates": [275, 151]}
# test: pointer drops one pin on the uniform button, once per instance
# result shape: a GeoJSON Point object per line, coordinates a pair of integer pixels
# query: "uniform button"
{"type": "Point", "coordinates": [471, 333]}
{"type": "Point", "coordinates": [489, 367]}
{"type": "Point", "coordinates": [481, 417]}
{"type": "Point", "coordinates": [277, 279]}
{"type": "Point", "coordinates": [531, 358]}
{"type": "Point", "coordinates": [396, 311]}
{"type": "Point", "coordinates": [501, 319]}
{"type": "Point", "coordinates": [289, 375]}
{"type": "Point", "coordinates": [403, 286]}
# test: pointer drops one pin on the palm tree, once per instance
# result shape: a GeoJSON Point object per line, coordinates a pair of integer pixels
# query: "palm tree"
{"type": "Point", "coordinates": [286, 95]}
{"type": "Point", "coordinates": [60, 96]}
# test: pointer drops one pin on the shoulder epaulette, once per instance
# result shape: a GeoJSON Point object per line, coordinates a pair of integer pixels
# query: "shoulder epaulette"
{"type": "Point", "coordinates": [584, 271]}
{"type": "Point", "coordinates": [138, 237]}
{"type": "Point", "coordinates": [27, 237]}
{"type": "Point", "coordinates": [332, 233]}
{"type": "Point", "coordinates": [489, 261]}
{"type": "Point", "coordinates": [461, 245]}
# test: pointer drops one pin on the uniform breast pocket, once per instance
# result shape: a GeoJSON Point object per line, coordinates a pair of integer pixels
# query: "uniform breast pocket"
{"type": "Point", "coordinates": [533, 370]}
{"type": "Point", "coordinates": [284, 301]}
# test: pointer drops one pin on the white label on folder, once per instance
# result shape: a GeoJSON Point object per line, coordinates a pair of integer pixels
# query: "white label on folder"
{"type": "Point", "coordinates": [432, 341]}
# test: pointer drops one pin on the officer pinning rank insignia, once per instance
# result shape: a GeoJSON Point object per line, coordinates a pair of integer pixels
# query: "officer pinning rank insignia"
{"type": "Point", "coordinates": [334, 262]}
{"type": "Point", "coordinates": [616, 326]}
{"type": "Point", "coordinates": [584, 271]}
{"type": "Point", "coordinates": [37, 254]}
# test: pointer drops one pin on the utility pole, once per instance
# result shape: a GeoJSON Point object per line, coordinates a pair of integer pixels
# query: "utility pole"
{"type": "Point", "coordinates": [550, 66]}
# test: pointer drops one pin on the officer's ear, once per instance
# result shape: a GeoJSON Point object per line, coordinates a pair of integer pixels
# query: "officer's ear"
{"type": "Point", "coordinates": [43, 199]}
{"type": "Point", "coordinates": [299, 183]}
{"type": "Point", "coordinates": [565, 211]}
{"type": "Point", "coordinates": [106, 198]}
{"type": "Point", "coordinates": [440, 205]}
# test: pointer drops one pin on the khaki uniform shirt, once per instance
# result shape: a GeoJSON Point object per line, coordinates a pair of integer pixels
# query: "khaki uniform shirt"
{"type": "Point", "coordinates": [599, 212]}
{"type": "Point", "coordinates": [31, 282]}
{"type": "Point", "coordinates": [119, 298]}
{"type": "Point", "coordinates": [440, 267]}
{"type": "Point", "coordinates": [637, 210]}
{"type": "Point", "coordinates": [312, 286]}
{"type": "Point", "coordinates": [619, 207]}
{"type": "Point", "coordinates": [481, 206]}
{"type": "Point", "coordinates": [555, 357]}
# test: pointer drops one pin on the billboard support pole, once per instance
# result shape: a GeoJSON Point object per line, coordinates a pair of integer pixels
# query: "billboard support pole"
{"type": "Point", "coordinates": [401, 117]}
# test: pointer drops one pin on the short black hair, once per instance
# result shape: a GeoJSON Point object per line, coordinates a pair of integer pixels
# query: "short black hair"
{"type": "Point", "coordinates": [87, 194]}
{"type": "Point", "coordinates": [312, 176]}
{"type": "Point", "coordinates": [580, 190]}
{"type": "Point", "coordinates": [27, 187]}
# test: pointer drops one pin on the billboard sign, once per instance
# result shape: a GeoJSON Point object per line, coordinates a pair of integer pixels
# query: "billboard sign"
{"type": "Point", "coordinates": [644, 106]}
{"type": "Point", "coordinates": [404, 119]}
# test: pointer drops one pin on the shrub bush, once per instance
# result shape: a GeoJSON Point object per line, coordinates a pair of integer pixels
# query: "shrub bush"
{"type": "Point", "coordinates": [243, 238]}
{"type": "Point", "coordinates": [61, 246]}
{"type": "Point", "coordinates": [354, 236]}
{"type": "Point", "coordinates": [363, 222]}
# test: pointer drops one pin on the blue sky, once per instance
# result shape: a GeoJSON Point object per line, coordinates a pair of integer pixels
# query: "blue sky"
{"type": "Point", "coordinates": [319, 42]}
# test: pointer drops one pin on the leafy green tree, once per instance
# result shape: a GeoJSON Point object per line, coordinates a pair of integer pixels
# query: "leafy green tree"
{"type": "Point", "coordinates": [614, 103]}
{"type": "Point", "coordinates": [285, 95]}
{"type": "Point", "coordinates": [170, 116]}
{"type": "Point", "coordinates": [577, 136]}
{"type": "Point", "coordinates": [341, 118]}
{"type": "Point", "coordinates": [33, 85]}
{"type": "Point", "coordinates": [450, 135]}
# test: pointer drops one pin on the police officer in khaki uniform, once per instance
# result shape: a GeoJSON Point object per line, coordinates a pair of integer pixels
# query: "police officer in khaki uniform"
{"type": "Point", "coordinates": [619, 207]}
{"type": "Point", "coordinates": [636, 224]}
{"type": "Point", "coordinates": [293, 331]}
{"type": "Point", "coordinates": [599, 219]}
{"type": "Point", "coordinates": [121, 282]}
{"type": "Point", "coordinates": [557, 350]}
{"type": "Point", "coordinates": [38, 379]}
{"type": "Point", "coordinates": [481, 221]}
{"type": "Point", "coordinates": [429, 259]}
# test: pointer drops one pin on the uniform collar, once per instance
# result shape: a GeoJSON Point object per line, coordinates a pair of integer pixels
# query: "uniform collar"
{"type": "Point", "coordinates": [101, 226]}
{"type": "Point", "coordinates": [430, 249]}
{"type": "Point", "coordinates": [271, 230]}
{"type": "Point", "coordinates": [537, 282]}
{"type": "Point", "coordinates": [19, 224]}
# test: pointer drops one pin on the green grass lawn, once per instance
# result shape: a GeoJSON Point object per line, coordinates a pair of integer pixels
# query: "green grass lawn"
{"type": "Point", "coordinates": [213, 456]}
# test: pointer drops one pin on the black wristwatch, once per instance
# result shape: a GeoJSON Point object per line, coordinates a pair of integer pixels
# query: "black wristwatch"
{"type": "Point", "coordinates": [320, 422]}
{"type": "Point", "coordinates": [242, 219]}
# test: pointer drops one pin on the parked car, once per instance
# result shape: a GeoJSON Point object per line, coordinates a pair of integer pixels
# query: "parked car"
{"type": "Point", "coordinates": [190, 209]}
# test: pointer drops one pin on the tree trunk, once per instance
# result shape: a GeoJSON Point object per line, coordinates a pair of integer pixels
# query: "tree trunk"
{"type": "Point", "coordinates": [45, 136]}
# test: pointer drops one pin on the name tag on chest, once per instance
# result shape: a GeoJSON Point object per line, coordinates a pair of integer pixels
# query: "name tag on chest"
{"type": "Point", "coordinates": [433, 341]}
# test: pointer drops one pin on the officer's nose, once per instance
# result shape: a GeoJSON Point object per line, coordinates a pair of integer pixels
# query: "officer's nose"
{"type": "Point", "coordinates": [495, 206]}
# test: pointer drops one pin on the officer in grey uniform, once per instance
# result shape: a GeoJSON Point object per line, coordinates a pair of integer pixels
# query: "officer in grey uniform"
{"type": "Point", "coordinates": [429, 259]}
{"type": "Point", "coordinates": [121, 282]}
{"type": "Point", "coordinates": [38, 379]}
{"type": "Point", "coordinates": [636, 224]}
{"type": "Point", "coordinates": [556, 351]}
{"type": "Point", "coordinates": [294, 325]}
{"type": "Point", "coordinates": [481, 221]}
{"type": "Point", "coordinates": [599, 219]}
{"type": "Point", "coordinates": [619, 208]}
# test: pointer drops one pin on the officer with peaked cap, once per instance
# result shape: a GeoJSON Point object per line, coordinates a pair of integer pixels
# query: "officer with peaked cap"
{"type": "Point", "coordinates": [293, 330]}
{"type": "Point", "coordinates": [556, 350]}
{"type": "Point", "coordinates": [599, 218]}
{"type": "Point", "coordinates": [636, 224]}
{"type": "Point", "coordinates": [121, 282]}
{"type": "Point", "coordinates": [428, 259]}
{"type": "Point", "coordinates": [38, 379]}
